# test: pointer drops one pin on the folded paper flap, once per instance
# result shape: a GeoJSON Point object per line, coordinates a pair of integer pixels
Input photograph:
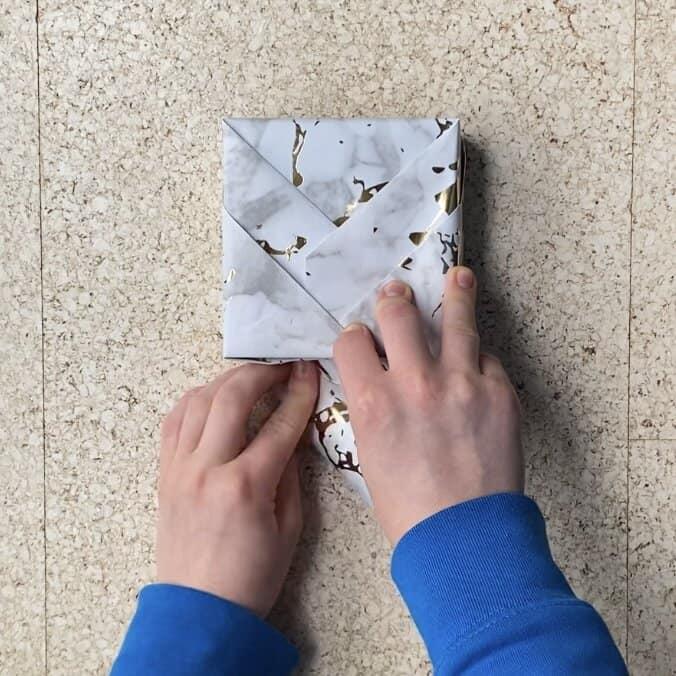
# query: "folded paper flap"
{"type": "Point", "coordinates": [338, 164]}
{"type": "Point", "coordinates": [267, 313]}
{"type": "Point", "coordinates": [286, 230]}
{"type": "Point", "coordinates": [388, 227]}
{"type": "Point", "coordinates": [424, 272]}
{"type": "Point", "coordinates": [278, 217]}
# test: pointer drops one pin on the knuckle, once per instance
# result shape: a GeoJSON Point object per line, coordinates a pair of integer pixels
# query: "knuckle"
{"type": "Point", "coordinates": [170, 425]}
{"type": "Point", "coordinates": [240, 488]}
{"type": "Point", "coordinates": [184, 485]}
{"type": "Point", "coordinates": [348, 338]}
{"type": "Point", "coordinates": [491, 358]}
{"type": "Point", "coordinates": [506, 397]}
{"type": "Point", "coordinates": [198, 399]}
{"type": "Point", "coordinates": [229, 395]}
{"type": "Point", "coordinates": [171, 421]}
{"type": "Point", "coordinates": [282, 425]}
{"type": "Point", "coordinates": [371, 403]}
{"type": "Point", "coordinates": [193, 393]}
{"type": "Point", "coordinates": [302, 389]}
{"type": "Point", "coordinates": [462, 328]}
{"type": "Point", "coordinates": [395, 309]}
{"type": "Point", "coordinates": [424, 389]}
{"type": "Point", "coordinates": [244, 372]}
{"type": "Point", "coordinates": [465, 390]}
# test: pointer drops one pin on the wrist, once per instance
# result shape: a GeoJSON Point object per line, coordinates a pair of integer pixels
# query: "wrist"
{"type": "Point", "coordinates": [469, 563]}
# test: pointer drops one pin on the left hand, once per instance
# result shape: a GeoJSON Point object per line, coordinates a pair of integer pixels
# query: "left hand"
{"type": "Point", "coordinates": [230, 513]}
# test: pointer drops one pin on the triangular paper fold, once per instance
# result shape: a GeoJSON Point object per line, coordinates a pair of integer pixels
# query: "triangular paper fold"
{"type": "Point", "coordinates": [387, 228]}
{"type": "Point", "coordinates": [338, 164]}
{"type": "Point", "coordinates": [267, 313]}
{"type": "Point", "coordinates": [424, 272]}
{"type": "Point", "coordinates": [278, 217]}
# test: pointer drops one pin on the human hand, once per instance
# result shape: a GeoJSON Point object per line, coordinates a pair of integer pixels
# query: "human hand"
{"type": "Point", "coordinates": [430, 432]}
{"type": "Point", "coordinates": [230, 513]}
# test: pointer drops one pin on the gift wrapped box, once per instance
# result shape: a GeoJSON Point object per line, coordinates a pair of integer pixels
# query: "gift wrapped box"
{"type": "Point", "coordinates": [317, 215]}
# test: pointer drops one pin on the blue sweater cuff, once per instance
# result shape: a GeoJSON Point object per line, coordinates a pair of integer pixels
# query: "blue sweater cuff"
{"type": "Point", "coordinates": [462, 567]}
{"type": "Point", "coordinates": [180, 630]}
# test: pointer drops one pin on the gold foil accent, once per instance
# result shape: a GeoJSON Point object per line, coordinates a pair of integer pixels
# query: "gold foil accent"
{"type": "Point", "coordinates": [298, 142]}
{"type": "Point", "coordinates": [448, 198]}
{"type": "Point", "coordinates": [288, 252]}
{"type": "Point", "coordinates": [334, 414]}
{"type": "Point", "coordinates": [406, 262]}
{"type": "Point", "coordinates": [365, 196]}
{"type": "Point", "coordinates": [418, 237]}
{"type": "Point", "coordinates": [230, 276]}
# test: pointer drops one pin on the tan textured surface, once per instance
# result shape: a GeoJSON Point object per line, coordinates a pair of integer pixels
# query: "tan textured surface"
{"type": "Point", "coordinates": [21, 452]}
{"type": "Point", "coordinates": [131, 101]}
{"type": "Point", "coordinates": [102, 425]}
{"type": "Point", "coordinates": [653, 327]}
{"type": "Point", "coordinates": [652, 564]}
{"type": "Point", "coordinates": [131, 97]}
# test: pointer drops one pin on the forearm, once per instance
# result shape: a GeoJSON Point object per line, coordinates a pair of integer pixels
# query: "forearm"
{"type": "Point", "coordinates": [179, 631]}
{"type": "Point", "coordinates": [487, 597]}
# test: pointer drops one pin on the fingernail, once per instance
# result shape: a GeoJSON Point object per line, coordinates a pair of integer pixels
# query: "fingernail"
{"type": "Point", "coordinates": [355, 326]}
{"type": "Point", "coordinates": [396, 288]}
{"type": "Point", "coordinates": [300, 369]}
{"type": "Point", "coordinates": [465, 278]}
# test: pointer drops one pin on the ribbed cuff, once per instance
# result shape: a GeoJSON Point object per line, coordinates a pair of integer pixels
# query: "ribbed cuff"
{"type": "Point", "coordinates": [180, 630]}
{"type": "Point", "coordinates": [464, 566]}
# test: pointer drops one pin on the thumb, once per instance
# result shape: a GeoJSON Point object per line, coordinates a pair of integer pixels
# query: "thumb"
{"type": "Point", "coordinates": [269, 452]}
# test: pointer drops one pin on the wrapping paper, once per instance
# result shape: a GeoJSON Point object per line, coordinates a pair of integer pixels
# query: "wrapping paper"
{"type": "Point", "coordinates": [317, 215]}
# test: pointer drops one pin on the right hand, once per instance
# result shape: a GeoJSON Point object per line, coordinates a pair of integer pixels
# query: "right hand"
{"type": "Point", "coordinates": [430, 432]}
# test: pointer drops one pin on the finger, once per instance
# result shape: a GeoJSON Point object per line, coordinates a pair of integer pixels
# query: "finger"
{"type": "Point", "coordinates": [401, 327]}
{"type": "Point", "coordinates": [460, 337]}
{"type": "Point", "coordinates": [195, 415]}
{"type": "Point", "coordinates": [356, 359]}
{"type": "Point", "coordinates": [171, 428]}
{"type": "Point", "coordinates": [224, 434]}
{"type": "Point", "coordinates": [288, 505]}
{"type": "Point", "coordinates": [269, 452]}
{"type": "Point", "coordinates": [489, 365]}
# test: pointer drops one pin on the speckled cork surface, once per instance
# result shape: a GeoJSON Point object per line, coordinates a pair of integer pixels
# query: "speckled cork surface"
{"type": "Point", "coordinates": [653, 317]}
{"type": "Point", "coordinates": [22, 566]}
{"type": "Point", "coordinates": [130, 100]}
{"type": "Point", "coordinates": [652, 564]}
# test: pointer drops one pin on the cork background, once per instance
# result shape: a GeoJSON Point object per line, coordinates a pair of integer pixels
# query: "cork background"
{"type": "Point", "coordinates": [110, 294]}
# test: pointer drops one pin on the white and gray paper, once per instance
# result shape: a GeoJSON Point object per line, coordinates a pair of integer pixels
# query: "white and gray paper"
{"type": "Point", "coordinates": [317, 215]}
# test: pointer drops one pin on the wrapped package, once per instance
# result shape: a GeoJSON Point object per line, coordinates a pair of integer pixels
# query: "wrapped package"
{"type": "Point", "coordinates": [317, 215]}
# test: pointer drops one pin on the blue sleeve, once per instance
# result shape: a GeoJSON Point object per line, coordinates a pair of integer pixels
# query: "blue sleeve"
{"type": "Point", "coordinates": [183, 631]}
{"type": "Point", "coordinates": [482, 587]}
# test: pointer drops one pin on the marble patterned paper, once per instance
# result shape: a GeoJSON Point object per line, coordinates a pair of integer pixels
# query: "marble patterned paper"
{"type": "Point", "coordinates": [317, 215]}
